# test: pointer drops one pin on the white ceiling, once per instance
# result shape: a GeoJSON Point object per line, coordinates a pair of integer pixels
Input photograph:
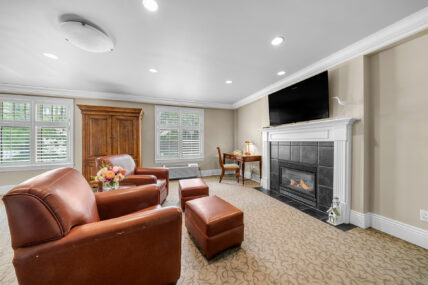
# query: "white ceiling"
{"type": "Point", "coordinates": [195, 44]}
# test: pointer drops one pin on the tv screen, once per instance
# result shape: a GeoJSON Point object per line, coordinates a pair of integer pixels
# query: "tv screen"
{"type": "Point", "coordinates": [303, 101]}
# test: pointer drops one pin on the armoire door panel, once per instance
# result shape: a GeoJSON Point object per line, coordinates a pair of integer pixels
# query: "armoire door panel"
{"type": "Point", "coordinates": [99, 136]}
{"type": "Point", "coordinates": [125, 135]}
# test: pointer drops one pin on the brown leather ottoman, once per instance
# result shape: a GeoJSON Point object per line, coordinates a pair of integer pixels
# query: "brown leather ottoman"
{"type": "Point", "coordinates": [190, 189]}
{"type": "Point", "coordinates": [214, 224]}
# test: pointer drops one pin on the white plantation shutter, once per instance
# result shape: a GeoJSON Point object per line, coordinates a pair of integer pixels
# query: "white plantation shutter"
{"type": "Point", "coordinates": [15, 145]}
{"type": "Point", "coordinates": [169, 143]}
{"type": "Point", "coordinates": [51, 144]}
{"type": "Point", "coordinates": [35, 132]}
{"type": "Point", "coordinates": [179, 134]}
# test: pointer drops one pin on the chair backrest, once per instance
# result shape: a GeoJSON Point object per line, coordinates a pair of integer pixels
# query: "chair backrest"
{"type": "Point", "coordinates": [123, 160]}
{"type": "Point", "coordinates": [220, 160]}
{"type": "Point", "coordinates": [48, 206]}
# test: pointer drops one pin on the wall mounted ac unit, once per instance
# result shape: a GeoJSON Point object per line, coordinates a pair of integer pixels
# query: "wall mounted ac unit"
{"type": "Point", "coordinates": [180, 171]}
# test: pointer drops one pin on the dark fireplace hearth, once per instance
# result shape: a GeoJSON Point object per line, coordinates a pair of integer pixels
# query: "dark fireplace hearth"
{"type": "Point", "coordinates": [303, 171]}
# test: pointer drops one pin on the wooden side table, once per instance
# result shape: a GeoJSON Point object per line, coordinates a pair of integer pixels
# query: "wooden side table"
{"type": "Point", "coordinates": [243, 159]}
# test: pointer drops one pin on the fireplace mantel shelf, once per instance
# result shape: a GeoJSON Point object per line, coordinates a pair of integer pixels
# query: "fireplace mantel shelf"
{"type": "Point", "coordinates": [337, 130]}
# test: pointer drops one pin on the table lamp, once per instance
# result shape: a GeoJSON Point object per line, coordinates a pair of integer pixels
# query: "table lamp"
{"type": "Point", "coordinates": [247, 148]}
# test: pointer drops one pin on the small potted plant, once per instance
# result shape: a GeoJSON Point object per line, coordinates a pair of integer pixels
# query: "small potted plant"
{"type": "Point", "coordinates": [110, 176]}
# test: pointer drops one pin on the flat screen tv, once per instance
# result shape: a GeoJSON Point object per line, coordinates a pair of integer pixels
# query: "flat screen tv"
{"type": "Point", "coordinates": [303, 101]}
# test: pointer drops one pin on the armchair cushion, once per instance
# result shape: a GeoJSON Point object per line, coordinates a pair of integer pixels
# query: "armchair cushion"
{"type": "Point", "coordinates": [120, 202]}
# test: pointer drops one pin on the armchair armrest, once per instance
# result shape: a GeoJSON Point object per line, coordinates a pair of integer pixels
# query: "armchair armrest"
{"type": "Point", "coordinates": [141, 248]}
{"type": "Point", "coordinates": [120, 202]}
{"type": "Point", "coordinates": [159, 172]}
{"type": "Point", "coordinates": [139, 179]}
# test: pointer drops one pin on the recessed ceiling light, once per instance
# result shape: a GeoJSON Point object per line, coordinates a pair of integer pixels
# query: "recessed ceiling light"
{"type": "Point", "coordinates": [50, 55]}
{"type": "Point", "coordinates": [281, 73]}
{"type": "Point", "coordinates": [151, 5]}
{"type": "Point", "coordinates": [152, 70]}
{"type": "Point", "coordinates": [228, 81]}
{"type": "Point", "coordinates": [277, 41]}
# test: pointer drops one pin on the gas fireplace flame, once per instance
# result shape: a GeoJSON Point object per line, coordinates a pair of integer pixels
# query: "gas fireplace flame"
{"type": "Point", "coordinates": [302, 184]}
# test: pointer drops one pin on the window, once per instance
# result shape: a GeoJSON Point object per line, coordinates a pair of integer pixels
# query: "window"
{"type": "Point", "coordinates": [35, 132]}
{"type": "Point", "coordinates": [179, 134]}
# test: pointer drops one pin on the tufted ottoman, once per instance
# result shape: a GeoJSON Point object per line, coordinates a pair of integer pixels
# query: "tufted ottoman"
{"type": "Point", "coordinates": [214, 224]}
{"type": "Point", "coordinates": [190, 189]}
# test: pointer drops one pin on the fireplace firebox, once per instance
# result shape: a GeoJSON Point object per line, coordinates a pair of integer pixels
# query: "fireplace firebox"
{"type": "Point", "coordinates": [299, 182]}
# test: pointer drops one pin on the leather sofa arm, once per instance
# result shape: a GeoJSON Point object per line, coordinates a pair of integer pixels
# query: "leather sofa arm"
{"type": "Point", "coordinates": [120, 202]}
{"type": "Point", "coordinates": [140, 248]}
{"type": "Point", "coordinates": [159, 172]}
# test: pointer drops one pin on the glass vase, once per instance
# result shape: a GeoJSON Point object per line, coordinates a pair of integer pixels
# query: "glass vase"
{"type": "Point", "coordinates": [110, 186]}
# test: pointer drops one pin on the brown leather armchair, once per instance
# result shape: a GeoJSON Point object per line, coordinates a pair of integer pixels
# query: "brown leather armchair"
{"type": "Point", "coordinates": [137, 175]}
{"type": "Point", "coordinates": [63, 233]}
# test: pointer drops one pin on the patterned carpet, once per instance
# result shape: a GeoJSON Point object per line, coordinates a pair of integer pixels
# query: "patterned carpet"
{"type": "Point", "coordinates": [283, 246]}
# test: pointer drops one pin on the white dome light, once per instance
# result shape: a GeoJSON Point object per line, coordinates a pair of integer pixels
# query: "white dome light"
{"type": "Point", "coordinates": [277, 41]}
{"type": "Point", "coordinates": [281, 73]}
{"type": "Point", "coordinates": [152, 70]}
{"type": "Point", "coordinates": [228, 81]}
{"type": "Point", "coordinates": [86, 37]}
{"type": "Point", "coordinates": [151, 5]}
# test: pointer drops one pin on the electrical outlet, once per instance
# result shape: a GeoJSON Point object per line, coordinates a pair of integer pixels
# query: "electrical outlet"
{"type": "Point", "coordinates": [424, 215]}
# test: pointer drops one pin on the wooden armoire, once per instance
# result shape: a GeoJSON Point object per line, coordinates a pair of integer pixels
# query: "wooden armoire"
{"type": "Point", "coordinates": [106, 131]}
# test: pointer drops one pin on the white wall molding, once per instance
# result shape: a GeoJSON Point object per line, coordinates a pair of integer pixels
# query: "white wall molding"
{"type": "Point", "coordinates": [5, 188]}
{"type": "Point", "coordinates": [393, 33]}
{"type": "Point", "coordinates": [44, 91]}
{"type": "Point", "coordinates": [392, 227]}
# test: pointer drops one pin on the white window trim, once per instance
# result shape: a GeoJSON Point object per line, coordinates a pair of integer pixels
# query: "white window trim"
{"type": "Point", "coordinates": [158, 110]}
{"type": "Point", "coordinates": [33, 100]}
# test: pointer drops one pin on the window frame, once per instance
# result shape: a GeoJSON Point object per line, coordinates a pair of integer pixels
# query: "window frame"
{"type": "Point", "coordinates": [180, 127]}
{"type": "Point", "coordinates": [33, 125]}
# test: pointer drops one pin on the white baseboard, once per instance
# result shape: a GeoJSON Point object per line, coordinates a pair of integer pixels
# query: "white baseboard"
{"type": "Point", "coordinates": [360, 220]}
{"type": "Point", "coordinates": [5, 188]}
{"type": "Point", "coordinates": [395, 228]}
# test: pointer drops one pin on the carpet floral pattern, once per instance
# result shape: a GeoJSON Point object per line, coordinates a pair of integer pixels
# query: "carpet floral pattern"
{"type": "Point", "coordinates": [282, 246]}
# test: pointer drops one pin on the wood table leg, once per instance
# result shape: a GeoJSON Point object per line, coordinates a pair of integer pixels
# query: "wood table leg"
{"type": "Point", "coordinates": [243, 172]}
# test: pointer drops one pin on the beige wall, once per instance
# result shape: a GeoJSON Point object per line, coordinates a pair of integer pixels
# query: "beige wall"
{"type": "Point", "coordinates": [218, 132]}
{"type": "Point", "coordinates": [399, 131]}
{"type": "Point", "coordinates": [249, 121]}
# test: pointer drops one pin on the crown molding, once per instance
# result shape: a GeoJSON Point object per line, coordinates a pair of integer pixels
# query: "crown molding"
{"type": "Point", "coordinates": [44, 91]}
{"type": "Point", "coordinates": [399, 30]}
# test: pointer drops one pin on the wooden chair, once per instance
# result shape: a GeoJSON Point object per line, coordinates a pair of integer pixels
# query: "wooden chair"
{"type": "Point", "coordinates": [227, 167]}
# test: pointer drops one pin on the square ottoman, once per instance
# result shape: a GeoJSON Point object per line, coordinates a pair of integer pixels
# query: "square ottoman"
{"type": "Point", "coordinates": [214, 224]}
{"type": "Point", "coordinates": [190, 189]}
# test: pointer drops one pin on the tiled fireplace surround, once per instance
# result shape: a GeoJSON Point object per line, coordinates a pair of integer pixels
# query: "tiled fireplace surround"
{"type": "Point", "coordinates": [321, 146]}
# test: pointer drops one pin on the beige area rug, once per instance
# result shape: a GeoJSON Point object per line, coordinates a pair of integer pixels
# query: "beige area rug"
{"type": "Point", "coordinates": [283, 246]}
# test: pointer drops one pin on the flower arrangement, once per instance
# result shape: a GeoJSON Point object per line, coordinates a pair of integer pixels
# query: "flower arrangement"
{"type": "Point", "coordinates": [110, 176]}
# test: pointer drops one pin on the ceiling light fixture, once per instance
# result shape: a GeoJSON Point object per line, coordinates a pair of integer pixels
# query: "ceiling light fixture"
{"type": "Point", "coordinates": [277, 41]}
{"type": "Point", "coordinates": [50, 55]}
{"type": "Point", "coordinates": [152, 70]}
{"type": "Point", "coordinates": [86, 36]}
{"type": "Point", "coordinates": [228, 81]}
{"type": "Point", "coordinates": [151, 5]}
{"type": "Point", "coordinates": [281, 73]}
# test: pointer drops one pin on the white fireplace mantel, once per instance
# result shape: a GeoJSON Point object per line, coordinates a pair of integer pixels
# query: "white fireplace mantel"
{"type": "Point", "coordinates": [337, 130]}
